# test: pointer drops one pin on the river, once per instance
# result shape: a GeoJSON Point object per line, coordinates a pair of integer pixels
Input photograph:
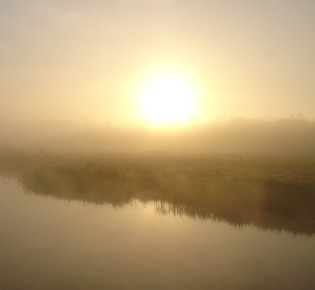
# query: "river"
{"type": "Point", "coordinates": [51, 243]}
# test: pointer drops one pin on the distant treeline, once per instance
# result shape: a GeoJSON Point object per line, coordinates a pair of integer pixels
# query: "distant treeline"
{"type": "Point", "coordinates": [239, 136]}
{"type": "Point", "coordinates": [275, 193]}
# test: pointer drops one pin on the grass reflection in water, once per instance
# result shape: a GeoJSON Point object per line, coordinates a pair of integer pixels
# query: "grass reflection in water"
{"type": "Point", "coordinates": [269, 193]}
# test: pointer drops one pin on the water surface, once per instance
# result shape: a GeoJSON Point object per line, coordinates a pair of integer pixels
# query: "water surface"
{"type": "Point", "coordinates": [49, 243]}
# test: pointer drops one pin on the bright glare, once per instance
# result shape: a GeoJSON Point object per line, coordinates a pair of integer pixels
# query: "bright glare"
{"type": "Point", "coordinates": [167, 99]}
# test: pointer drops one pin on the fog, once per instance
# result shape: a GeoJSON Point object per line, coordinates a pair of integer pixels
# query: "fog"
{"type": "Point", "coordinates": [237, 136]}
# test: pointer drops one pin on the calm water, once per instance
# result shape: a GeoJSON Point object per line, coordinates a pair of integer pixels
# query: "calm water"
{"type": "Point", "coordinates": [49, 243]}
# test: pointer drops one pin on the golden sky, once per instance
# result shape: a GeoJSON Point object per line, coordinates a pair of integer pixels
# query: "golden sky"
{"type": "Point", "coordinates": [87, 61]}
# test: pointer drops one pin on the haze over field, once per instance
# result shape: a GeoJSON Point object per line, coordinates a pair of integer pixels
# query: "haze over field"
{"type": "Point", "coordinates": [239, 136]}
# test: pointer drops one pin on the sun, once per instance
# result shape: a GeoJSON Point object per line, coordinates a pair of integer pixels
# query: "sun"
{"type": "Point", "coordinates": [167, 99]}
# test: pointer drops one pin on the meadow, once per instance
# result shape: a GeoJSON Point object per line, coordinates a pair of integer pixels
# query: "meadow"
{"type": "Point", "coordinates": [269, 192]}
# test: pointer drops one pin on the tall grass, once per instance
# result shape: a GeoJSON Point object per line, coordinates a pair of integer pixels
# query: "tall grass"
{"type": "Point", "coordinates": [276, 193]}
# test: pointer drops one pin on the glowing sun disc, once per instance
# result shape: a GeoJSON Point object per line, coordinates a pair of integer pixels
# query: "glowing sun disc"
{"type": "Point", "coordinates": [167, 99]}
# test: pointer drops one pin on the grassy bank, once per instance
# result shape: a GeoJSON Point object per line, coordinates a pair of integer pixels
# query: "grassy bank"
{"type": "Point", "coordinates": [276, 193]}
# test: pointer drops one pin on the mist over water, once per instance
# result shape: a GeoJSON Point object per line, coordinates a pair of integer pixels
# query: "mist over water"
{"type": "Point", "coordinates": [225, 205]}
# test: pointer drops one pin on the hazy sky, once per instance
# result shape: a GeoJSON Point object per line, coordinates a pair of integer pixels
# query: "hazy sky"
{"type": "Point", "coordinates": [78, 60]}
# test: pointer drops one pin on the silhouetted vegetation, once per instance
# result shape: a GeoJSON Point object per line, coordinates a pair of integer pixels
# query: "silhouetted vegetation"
{"type": "Point", "coordinates": [275, 193]}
